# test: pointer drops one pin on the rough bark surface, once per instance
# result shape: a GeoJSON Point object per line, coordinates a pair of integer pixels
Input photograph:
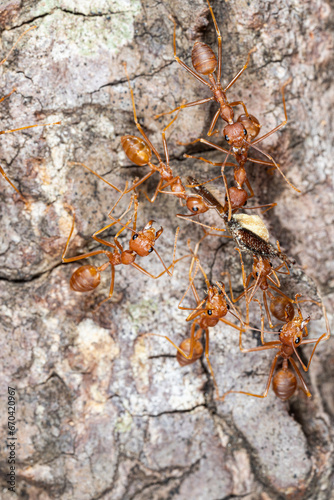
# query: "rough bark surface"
{"type": "Point", "coordinates": [103, 413]}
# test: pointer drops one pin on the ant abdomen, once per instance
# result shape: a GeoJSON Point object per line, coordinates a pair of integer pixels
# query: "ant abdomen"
{"type": "Point", "coordinates": [185, 346]}
{"type": "Point", "coordinates": [203, 58]}
{"type": "Point", "coordinates": [284, 383]}
{"type": "Point", "coordinates": [282, 309]}
{"type": "Point", "coordinates": [136, 150]}
{"type": "Point", "coordinates": [85, 279]}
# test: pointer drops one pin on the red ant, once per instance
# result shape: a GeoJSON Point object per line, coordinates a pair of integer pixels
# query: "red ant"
{"type": "Point", "coordinates": [139, 151]}
{"type": "Point", "coordinates": [206, 63]}
{"type": "Point", "coordinates": [208, 312]}
{"type": "Point", "coordinates": [235, 134]}
{"type": "Point", "coordinates": [2, 172]}
{"type": "Point", "coordinates": [88, 277]}
{"type": "Point", "coordinates": [291, 336]}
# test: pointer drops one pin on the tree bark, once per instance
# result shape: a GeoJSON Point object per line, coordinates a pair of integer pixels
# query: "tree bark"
{"type": "Point", "coordinates": [103, 412]}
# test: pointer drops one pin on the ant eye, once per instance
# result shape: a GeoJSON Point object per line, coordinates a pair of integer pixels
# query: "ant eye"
{"type": "Point", "coordinates": [297, 340]}
{"type": "Point", "coordinates": [195, 209]}
{"type": "Point", "coordinates": [280, 330]}
{"type": "Point", "coordinates": [245, 131]}
{"type": "Point", "coordinates": [150, 250]}
{"type": "Point", "coordinates": [257, 274]}
{"type": "Point", "coordinates": [135, 236]}
{"type": "Point", "coordinates": [209, 312]}
{"type": "Point", "coordinates": [245, 203]}
{"type": "Point", "coordinates": [227, 307]}
{"type": "Point", "coordinates": [227, 138]}
{"type": "Point", "coordinates": [270, 264]}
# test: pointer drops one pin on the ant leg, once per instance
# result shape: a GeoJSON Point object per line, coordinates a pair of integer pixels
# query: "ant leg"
{"type": "Point", "coordinates": [213, 123]}
{"type": "Point", "coordinates": [304, 387]}
{"type": "Point", "coordinates": [208, 361]}
{"type": "Point", "coordinates": [276, 166]}
{"type": "Point", "coordinates": [7, 95]}
{"type": "Point", "coordinates": [83, 256]}
{"type": "Point", "coordinates": [232, 82]}
{"type": "Point", "coordinates": [180, 216]}
{"type": "Point", "coordinates": [183, 106]}
{"type": "Point", "coordinates": [143, 179]}
{"type": "Point", "coordinates": [284, 122]}
{"type": "Point", "coordinates": [29, 126]}
{"type": "Point", "coordinates": [219, 38]}
{"type": "Point", "coordinates": [265, 394]}
{"type": "Point", "coordinates": [239, 103]}
{"type": "Point", "coordinates": [271, 325]}
{"type": "Point", "coordinates": [111, 290]}
{"type": "Point", "coordinates": [95, 173]}
{"type": "Point", "coordinates": [324, 336]}
{"type": "Point", "coordinates": [17, 41]}
{"type": "Point", "coordinates": [214, 163]}
{"type": "Point", "coordinates": [4, 175]}
{"type": "Point", "coordinates": [226, 273]}
{"type": "Point", "coordinates": [192, 342]}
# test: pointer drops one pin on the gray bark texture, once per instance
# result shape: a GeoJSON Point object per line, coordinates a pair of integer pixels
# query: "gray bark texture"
{"type": "Point", "coordinates": [102, 412]}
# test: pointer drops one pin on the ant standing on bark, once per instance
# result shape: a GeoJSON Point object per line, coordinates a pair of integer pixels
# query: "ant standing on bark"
{"type": "Point", "coordinates": [207, 64]}
{"type": "Point", "coordinates": [291, 337]}
{"type": "Point", "coordinates": [88, 277]}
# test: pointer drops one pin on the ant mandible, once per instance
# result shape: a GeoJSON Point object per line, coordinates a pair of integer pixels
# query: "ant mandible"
{"type": "Point", "coordinates": [2, 172]}
{"type": "Point", "coordinates": [206, 63]}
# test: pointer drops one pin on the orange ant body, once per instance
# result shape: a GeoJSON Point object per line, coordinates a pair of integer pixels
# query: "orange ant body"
{"type": "Point", "coordinates": [88, 277]}
{"type": "Point", "coordinates": [207, 314]}
{"type": "Point", "coordinates": [207, 64]}
{"type": "Point", "coordinates": [2, 172]}
{"type": "Point", "coordinates": [291, 337]}
{"type": "Point", "coordinates": [247, 126]}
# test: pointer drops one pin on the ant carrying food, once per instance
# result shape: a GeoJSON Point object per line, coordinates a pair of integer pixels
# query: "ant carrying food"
{"type": "Point", "coordinates": [2, 172]}
{"type": "Point", "coordinates": [249, 232]}
{"type": "Point", "coordinates": [207, 64]}
{"type": "Point", "coordinates": [88, 277]}
{"type": "Point", "coordinates": [291, 337]}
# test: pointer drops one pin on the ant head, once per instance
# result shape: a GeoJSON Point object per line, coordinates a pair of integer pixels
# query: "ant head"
{"type": "Point", "coordinates": [235, 134]}
{"type": "Point", "coordinates": [142, 243]}
{"type": "Point", "coordinates": [292, 332]}
{"type": "Point", "coordinates": [216, 306]}
{"type": "Point", "coordinates": [203, 58]}
{"type": "Point", "coordinates": [251, 124]}
{"type": "Point", "coordinates": [196, 205]}
{"type": "Point", "coordinates": [136, 150]}
{"type": "Point", "coordinates": [238, 198]}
